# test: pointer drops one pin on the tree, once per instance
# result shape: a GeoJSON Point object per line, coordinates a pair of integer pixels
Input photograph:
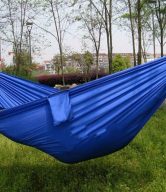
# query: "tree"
{"type": "Point", "coordinates": [61, 20]}
{"type": "Point", "coordinates": [88, 62]}
{"type": "Point", "coordinates": [131, 26]}
{"type": "Point", "coordinates": [57, 63]}
{"type": "Point", "coordinates": [139, 23]}
{"type": "Point", "coordinates": [120, 63]}
{"type": "Point", "coordinates": [14, 16]}
{"type": "Point", "coordinates": [104, 10]}
{"type": "Point", "coordinates": [139, 17]}
{"type": "Point", "coordinates": [152, 25]}
{"type": "Point", "coordinates": [132, 17]}
{"type": "Point", "coordinates": [93, 24]}
{"type": "Point", "coordinates": [156, 10]}
{"type": "Point", "coordinates": [78, 59]}
{"type": "Point", "coordinates": [25, 68]}
{"type": "Point", "coordinates": [160, 10]}
{"type": "Point", "coordinates": [147, 30]}
{"type": "Point", "coordinates": [107, 20]}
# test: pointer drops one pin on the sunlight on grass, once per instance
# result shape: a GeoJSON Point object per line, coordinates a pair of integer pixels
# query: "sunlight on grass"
{"type": "Point", "coordinates": [141, 166]}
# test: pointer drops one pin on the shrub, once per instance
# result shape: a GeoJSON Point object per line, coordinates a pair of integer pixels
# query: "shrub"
{"type": "Point", "coordinates": [120, 63]}
{"type": "Point", "coordinates": [78, 78]}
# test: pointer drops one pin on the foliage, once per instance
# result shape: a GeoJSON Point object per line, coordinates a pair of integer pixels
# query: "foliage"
{"type": "Point", "coordinates": [88, 59]}
{"type": "Point", "coordinates": [78, 78]}
{"type": "Point", "coordinates": [57, 62]}
{"type": "Point", "coordinates": [93, 25]}
{"type": "Point", "coordinates": [59, 13]}
{"type": "Point", "coordinates": [70, 69]}
{"type": "Point", "coordinates": [14, 16]}
{"type": "Point", "coordinates": [25, 67]}
{"type": "Point", "coordinates": [9, 70]}
{"type": "Point", "coordinates": [149, 19]}
{"type": "Point", "coordinates": [88, 62]}
{"type": "Point", "coordinates": [77, 57]}
{"type": "Point", "coordinates": [120, 63]}
{"type": "Point", "coordinates": [140, 167]}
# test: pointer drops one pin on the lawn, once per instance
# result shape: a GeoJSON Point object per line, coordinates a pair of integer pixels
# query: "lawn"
{"type": "Point", "coordinates": [140, 167]}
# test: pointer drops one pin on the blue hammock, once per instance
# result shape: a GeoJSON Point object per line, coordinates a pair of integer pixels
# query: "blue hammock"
{"type": "Point", "coordinates": [88, 121]}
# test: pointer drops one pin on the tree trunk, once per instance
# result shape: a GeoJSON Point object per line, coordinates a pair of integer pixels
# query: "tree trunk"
{"type": "Point", "coordinates": [108, 29]}
{"type": "Point", "coordinates": [107, 19]}
{"type": "Point", "coordinates": [154, 36]}
{"type": "Point", "coordinates": [162, 42]}
{"type": "Point", "coordinates": [139, 32]}
{"type": "Point", "coordinates": [62, 66]}
{"type": "Point", "coordinates": [109, 53]}
{"type": "Point", "coordinates": [97, 64]}
{"type": "Point", "coordinates": [110, 38]}
{"type": "Point", "coordinates": [132, 33]}
{"type": "Point", "coordinates": [17, 61]}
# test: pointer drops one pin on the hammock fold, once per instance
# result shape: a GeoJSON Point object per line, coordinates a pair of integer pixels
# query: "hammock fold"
{"type": "Point", "coordinates": [85, 122]}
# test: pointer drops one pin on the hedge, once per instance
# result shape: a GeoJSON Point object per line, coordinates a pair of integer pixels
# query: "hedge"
{"type": "Point", "coordinates": [78, 78]}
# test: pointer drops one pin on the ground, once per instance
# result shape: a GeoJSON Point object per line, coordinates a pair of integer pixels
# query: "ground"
{"type": "Point", "coordinates": [140, 167]}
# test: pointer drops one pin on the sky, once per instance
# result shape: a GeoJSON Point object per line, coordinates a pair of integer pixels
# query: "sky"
{"type": "Point", "coordinates": [121, 43]}
{"type": "Point", "coordinates": [73, 42]}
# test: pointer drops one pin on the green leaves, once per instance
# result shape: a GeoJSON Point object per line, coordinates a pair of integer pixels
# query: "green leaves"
{"type": "Point", "coordinates": [88, 58]}
{"type": "Point", "coordinates": [120, 63]}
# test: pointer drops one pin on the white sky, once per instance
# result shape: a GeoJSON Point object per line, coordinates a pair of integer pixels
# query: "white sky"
{"type": "Point", "coordinates": [121, 43]}
{"type": "Point", "coordinates": [73, 42]}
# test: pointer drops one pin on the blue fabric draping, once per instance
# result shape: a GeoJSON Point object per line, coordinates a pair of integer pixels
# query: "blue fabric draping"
{"type": "Point", "coordinates": [88, 121]}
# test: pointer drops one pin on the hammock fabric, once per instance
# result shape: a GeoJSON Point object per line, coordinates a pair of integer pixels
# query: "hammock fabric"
{"type": "Point", "coordinates": [88, 121]}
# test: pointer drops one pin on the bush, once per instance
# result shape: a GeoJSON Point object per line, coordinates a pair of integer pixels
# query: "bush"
{"type": "Point", "coordinates": [120, 63]}
{"type": "Point", "coordinates": [78, 78]}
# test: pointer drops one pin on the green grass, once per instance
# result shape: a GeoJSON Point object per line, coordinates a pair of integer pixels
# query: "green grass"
{"type": "Point", "coordinates": [140, 167]}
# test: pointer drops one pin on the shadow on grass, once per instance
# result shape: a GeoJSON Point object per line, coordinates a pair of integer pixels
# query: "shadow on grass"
{"type": "Point", "coordinates": [138, 167]}
{"type": "Point", "coordinates": [88, 176]}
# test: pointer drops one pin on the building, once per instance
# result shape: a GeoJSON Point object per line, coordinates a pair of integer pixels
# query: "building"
{"type": "Point", "coordinates": [103, 58]}
{"type": "Point", "coordinates": [103, 61]}
{"type": "Point", "coordinates": [70, 62]}
{"type": "Point", "coordinates": [49, 66]}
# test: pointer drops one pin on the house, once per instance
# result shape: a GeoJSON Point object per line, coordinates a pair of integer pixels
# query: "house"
{"type": "Point", "coordinates": [103, 61]}
{"type": "Point", "coordinates": [49, 66]}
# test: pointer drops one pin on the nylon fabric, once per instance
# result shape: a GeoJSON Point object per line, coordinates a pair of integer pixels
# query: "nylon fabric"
{"type": "Point", "coordinates": [87, 121]}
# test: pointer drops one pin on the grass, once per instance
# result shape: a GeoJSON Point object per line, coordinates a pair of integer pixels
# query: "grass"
{"type": "Point", "coordinates": [140, 167]}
